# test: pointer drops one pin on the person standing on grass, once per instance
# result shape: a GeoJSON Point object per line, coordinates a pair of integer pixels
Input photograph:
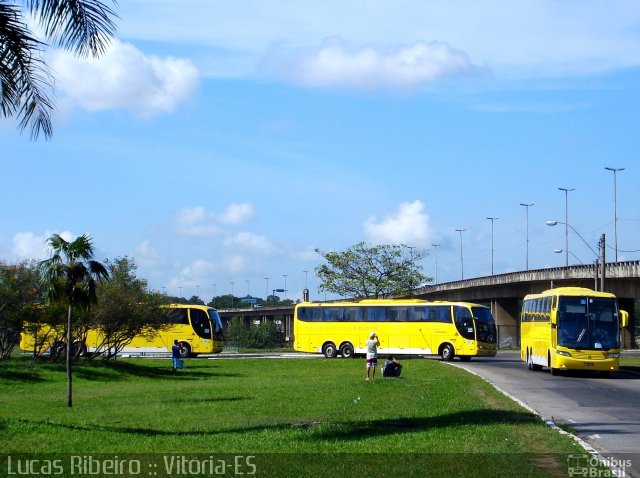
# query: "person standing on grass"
{"type": "Point", "coordinates": [372, 355]}
{"type": "Point", "coordinates": [175, 355]}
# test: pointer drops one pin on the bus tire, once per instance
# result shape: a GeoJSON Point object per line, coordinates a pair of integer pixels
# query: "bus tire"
{"type": "Point", "coordinates": [185, 349]}
{"type": "Point", "coordinates": [329, 350]}
{"type": "Point", "coordinates": [346, 350]}
{"type": "Point", "coordinates": [447, 352]}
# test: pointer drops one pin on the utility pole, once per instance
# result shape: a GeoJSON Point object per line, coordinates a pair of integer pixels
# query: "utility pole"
{"type": "Point", "coordinates": [603, 263]}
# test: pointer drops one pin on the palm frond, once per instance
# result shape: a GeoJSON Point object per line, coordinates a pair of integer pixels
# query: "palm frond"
{"type": "Point", "coordinates": [83, 26]}
{"type": "Point", "coordinates": [24, 77]}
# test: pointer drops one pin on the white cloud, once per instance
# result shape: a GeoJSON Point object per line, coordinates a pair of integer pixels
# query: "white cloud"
{"type": "Point", "coordinates": [196, 222]}
{"type": "Point", "coordinates": [145, 85]}
{"type": "Point", "coordinates": [234, 264]}
{"type": "Point", "coordinates": [237, 213]}
{"type": "Point", "coordinates": [335, 64]}
{"type": "Point", "coordinates": [410, 225]}
{"type": "Point", "coordinates": [249, 240]}
{"type": "Point", "coordinates": [146, 255]}
{"type": "Point", "coordinates": [27, 245]}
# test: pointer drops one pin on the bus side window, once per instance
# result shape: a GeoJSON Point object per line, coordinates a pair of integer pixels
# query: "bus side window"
{"type": "Point", "coordinates": [397, 314]}
{"type": "Point", "coordinates": [333, 314]}
{"type": "Point", "coordinates": [376, 314]}
{"type": "Point", "coordinates": [179, 316]}
{"type": "Point", "coordinates": [523, 315]}
{"type": "Point", "coordinates": [352, 314]}
{"type": "Point", "coordinates": [441, 314]}
{"type": "Point", "coordinates": [418, 314]}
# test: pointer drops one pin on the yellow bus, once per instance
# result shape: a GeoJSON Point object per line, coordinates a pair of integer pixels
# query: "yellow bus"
{"type": "Point", "coordinates": [197, 328]}
{"type": "Point", "coordinates": [404, 327]}
{"type": "Point", "coordinates": [571, 328]}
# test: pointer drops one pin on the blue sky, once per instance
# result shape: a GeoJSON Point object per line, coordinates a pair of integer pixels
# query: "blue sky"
{"type": "Point", "coordinates": [221, 142]}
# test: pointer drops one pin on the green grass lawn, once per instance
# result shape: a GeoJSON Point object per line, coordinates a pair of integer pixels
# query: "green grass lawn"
{"type": "Point", "coordinates": [318, 413]}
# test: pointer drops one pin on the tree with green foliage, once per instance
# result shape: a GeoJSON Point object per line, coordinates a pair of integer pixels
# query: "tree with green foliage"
{"type": "Point", "coordinates": [83, 26]}
{"type": "Point", "coordinates": [70, 276]}
{"type": "Point", "coordinates": [125, 308]}
{"type": "Point", "coordinates": [237, 332]}
{"type": "Point", "coordinates": [369, 271]}
{"type": "Point", "coordinates": [19, 295]}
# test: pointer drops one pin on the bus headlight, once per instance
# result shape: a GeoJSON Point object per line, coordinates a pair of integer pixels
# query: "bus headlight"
{"type": "Point", "coordinates": [613, 355]}
{"type": "Point", "coordinates": [563, 353]}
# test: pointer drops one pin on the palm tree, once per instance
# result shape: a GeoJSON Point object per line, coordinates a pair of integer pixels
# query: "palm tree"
{"type": "Point", "coordinates": [70, 276]}
{"type": "Point", "coordinates": [82, 26]}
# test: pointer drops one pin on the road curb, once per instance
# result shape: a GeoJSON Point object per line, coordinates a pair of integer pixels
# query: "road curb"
{"type": "Point", "coordinates": [550, 422]}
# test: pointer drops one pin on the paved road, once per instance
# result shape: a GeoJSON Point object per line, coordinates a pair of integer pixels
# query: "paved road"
{"type": "Point", "coordinates": [604, 412]}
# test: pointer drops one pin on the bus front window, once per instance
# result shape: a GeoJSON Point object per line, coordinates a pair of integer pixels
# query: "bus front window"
{"type": "Point", "coordinates": [216, 322]}
{"type": "Point", "coordinates": [588, 323]}
{"type": "Point", "coordinates": [464, 322]}
{"type": "Point", "coordinates": [485, 325]}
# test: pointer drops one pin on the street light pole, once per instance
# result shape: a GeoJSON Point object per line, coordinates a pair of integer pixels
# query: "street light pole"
{"type": "Point", "coordinates": [461, 256]}
{"type": "Point", "coordinates": [266, 297]}
{"type": "Point", "coordinates": [435, 246]}
{"type": "Point", "coordinates": [566, 223]}
{"type": "Point", "coordinates": [492, 219]}
{"type": "Point", "coordinates": [285, 286]}
{"type": "Point", "coordinates": [526, 206]}
{"type": "Point", "coordinates": [615, 208]}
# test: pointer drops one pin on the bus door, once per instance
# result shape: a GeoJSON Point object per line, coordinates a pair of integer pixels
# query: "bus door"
{"type": "Point", "coordinates": [465, 326]}
{"type": "Point", "coordinates": [438, 328]}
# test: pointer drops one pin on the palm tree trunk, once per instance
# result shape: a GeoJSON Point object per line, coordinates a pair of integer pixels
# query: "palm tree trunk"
{"type": "Point", "coordinates": [69, 352]}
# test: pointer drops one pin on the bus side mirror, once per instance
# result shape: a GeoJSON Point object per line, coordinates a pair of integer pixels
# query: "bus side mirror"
{"type": "Point", "coordinates": [624, 318]}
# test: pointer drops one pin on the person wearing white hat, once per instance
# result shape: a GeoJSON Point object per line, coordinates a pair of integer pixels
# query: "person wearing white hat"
{"type": "Point", "coordinates": [372, 355]}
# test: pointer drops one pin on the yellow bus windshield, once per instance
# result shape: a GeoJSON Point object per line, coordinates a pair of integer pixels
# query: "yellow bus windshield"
{"type": "Point", "coordinates": [588, 323]}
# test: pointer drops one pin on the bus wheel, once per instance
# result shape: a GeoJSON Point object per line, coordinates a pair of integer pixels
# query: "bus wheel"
{"type": "Point", "coordinates": [447, 353]}
{"type": "Point", "coordinates": [329, 350]}
{"type": "Point", "coordinates": [79, 349]}
{"type": "Point", "coordinates": [185, 349]}
{"type": "Point", "coordinates": [529, 361]}
{"type": "Point", "coordinates": [346, 350]}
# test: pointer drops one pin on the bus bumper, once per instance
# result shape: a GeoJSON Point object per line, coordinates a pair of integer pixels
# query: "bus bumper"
{"type": "Point", "coordinates": [599, 365]}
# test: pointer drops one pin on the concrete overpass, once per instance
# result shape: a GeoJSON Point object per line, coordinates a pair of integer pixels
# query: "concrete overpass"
{"type": "Point", "coordinates": [504, 294]}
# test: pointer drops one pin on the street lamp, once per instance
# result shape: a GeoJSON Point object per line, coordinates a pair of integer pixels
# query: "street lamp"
{"type": "Point", "coordinates": [555, 223]}
{"type": "Point", "coordinates": [266, 297]}
{"type": "Point", "coordinates": [615, 208]}
{"type": "Point", "coordinates": [435, 246]}
{"type": "Point", "coordinates": [492, 219]}
{"type": "Point", "coordinates": [566, 220]}
{"type": "Point", "coordinates": [559, 251]}
{"type": "Point", "coordinates": [527, 206]}
{"type": "Point", "coordinates": [461, 256]}
{"type": "Point", "coordinates": [599, 258]}
{"type": "Point", "coordinates": [285, 286]}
